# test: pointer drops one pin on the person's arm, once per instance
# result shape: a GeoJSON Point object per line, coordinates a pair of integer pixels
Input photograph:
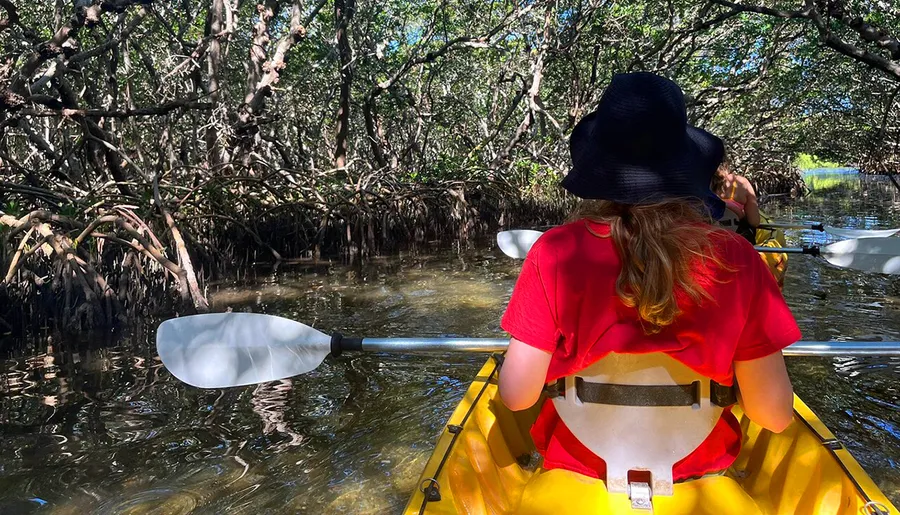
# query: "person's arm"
{"type": "Point", "coordinates": [766, 394]}
{"type": "Point", "coordinates": [522, 375]}
{"type": "Point", "coordinates": [765, 391]}
{"type": "Point", "coordinates": [530, 317]}
{"type": "Point", "coordinates": [751, 205]}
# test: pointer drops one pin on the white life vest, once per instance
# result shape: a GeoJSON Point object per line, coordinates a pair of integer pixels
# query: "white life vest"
{"type": "Point", "coordinates": [641, 412]}
{"type": "Point", "coordinates": [729, 220]}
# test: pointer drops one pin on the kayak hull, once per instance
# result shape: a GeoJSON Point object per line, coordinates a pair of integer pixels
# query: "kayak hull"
{"type": "Point", "coordinates": [485, 463]}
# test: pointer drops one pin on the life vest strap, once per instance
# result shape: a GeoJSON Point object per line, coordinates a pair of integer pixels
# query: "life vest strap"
{"type": "Point", "coordinates": [644, 395]}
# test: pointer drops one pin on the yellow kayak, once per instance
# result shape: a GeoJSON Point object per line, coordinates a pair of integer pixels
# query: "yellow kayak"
{"type": "Point", "coordinates": [486, 463]}
{"type": "Point", "coordinates": [775, 239]}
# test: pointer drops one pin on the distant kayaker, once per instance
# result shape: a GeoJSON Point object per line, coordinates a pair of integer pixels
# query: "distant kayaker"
{"type": "Point", "coordinates": [639, 302]}
{"type": "Point", "coordinates": [742, 209]}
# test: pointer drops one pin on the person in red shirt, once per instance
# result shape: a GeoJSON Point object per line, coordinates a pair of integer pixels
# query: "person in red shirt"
{"type": "Point", "coordinates": [640, 269]}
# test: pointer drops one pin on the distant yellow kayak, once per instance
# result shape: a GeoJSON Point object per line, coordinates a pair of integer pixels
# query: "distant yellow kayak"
{"type": "Point", "coordinates": [775, 239]}
{"type": "Point", "coordinates": [486, 463]}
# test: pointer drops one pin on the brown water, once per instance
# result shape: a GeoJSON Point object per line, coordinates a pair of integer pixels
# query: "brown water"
{"type": "Point", "coordinates": [96, 425]}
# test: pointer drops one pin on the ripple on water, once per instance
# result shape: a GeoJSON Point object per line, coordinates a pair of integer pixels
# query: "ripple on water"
{"type": "Point", "coordinates": [156, 501]}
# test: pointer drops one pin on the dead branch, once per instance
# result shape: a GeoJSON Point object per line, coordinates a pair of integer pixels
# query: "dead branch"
{"type": "Point", "coordinates": [14, 263]}
{"type": "Point", "coordinates": [184, 258]}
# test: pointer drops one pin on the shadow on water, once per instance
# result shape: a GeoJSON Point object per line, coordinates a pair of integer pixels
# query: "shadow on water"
{"type": "Point", "coordinates": [97, 425]}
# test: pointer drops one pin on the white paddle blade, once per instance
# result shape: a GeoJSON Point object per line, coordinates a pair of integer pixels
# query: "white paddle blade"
{"type": "Point", "coordinates": [861, 233]}
{"type": "Point", "coordinates": [881, 255]}
{"type": "Point", "coordinates": [517, 243]}
{"type": "Point", "coordinates": [220, 350]}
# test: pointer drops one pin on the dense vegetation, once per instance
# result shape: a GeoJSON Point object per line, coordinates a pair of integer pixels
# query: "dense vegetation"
{"type": "Point", "coordinates": [146, 144]}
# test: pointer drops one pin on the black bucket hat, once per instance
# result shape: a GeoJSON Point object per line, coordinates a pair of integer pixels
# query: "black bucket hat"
{"type": "Point", "coordinates": [638, 148]}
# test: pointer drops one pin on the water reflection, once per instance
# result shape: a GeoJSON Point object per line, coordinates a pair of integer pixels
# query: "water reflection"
{"type": "Point", "coordinates": [99, 426]}
{"type": "Point", "coordinates": [269, 402]}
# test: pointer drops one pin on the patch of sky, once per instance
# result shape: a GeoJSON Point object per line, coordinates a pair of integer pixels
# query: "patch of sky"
{"type": "Point", "coordinates": [825, 99]}
{"type": "Point", "coordinates": [743, 61]}
{"type": "Point", "coordinates": [414, 34]}
{"type": "Point", "coordinates": [567, 17]}
{"type": "Point", "coordinates": [837, 104]}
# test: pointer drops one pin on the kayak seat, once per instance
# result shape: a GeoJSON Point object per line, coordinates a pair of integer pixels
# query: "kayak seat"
{"type": "Point", "coordinates": [713, 495]}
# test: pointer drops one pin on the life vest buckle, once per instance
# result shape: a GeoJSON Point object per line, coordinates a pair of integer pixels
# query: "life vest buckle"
{"type": "Point", "coordinates": [641, 495]}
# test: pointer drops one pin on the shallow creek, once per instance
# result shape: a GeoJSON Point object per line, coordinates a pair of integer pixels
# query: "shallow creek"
{"type": "Point", "coordinates": [96, 425]}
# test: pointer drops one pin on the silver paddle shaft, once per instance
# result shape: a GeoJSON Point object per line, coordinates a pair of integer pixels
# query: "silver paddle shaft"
{"type": "Point", "coordinates": [802, 348]}
{"type": "Point", "coordinates": [843, 349]}
{"type": "Point", "coordinates": [435, 344]}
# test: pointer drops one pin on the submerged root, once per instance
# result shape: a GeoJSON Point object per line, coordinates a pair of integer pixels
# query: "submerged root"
{"type": "Point", "coordinates": [75, 276]}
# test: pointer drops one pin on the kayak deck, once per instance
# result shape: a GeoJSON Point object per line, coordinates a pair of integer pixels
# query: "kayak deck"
{"type": "Point", "coordinates": [485, 462]}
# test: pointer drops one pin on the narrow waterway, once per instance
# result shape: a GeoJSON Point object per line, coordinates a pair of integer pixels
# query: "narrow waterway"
{"type": "Point", "coordinates": [96, 424]}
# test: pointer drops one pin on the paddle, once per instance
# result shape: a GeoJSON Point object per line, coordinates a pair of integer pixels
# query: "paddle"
{"type": "Point", "coordinates": [220, 350]}
{"type": "Point", "coordinates": [880, 255]}
{"type": "Point", "coordinates": [836, 231]}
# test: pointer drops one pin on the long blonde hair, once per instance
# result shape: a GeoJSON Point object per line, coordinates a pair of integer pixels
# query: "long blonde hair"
{"type": "Point", "coordinates": [666, 250]}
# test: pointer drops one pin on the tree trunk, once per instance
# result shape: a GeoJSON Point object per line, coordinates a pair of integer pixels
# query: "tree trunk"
{"type": "Point", "coordinates": [376, 139]}
{"type": "Point", "coordinates": [260, 43]}
{"type": "Point", "coordinates": [343, 12]}
{"type": "Point", "coordinates": [215, 153]}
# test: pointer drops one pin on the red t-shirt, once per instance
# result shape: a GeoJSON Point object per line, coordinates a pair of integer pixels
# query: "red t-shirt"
{"type": "Point", "coordinates": [565, 302]}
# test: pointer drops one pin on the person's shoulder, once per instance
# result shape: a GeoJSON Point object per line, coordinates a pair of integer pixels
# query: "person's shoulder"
{"type": "Point", "coordinates": [563, 237]}
{"type": "Point", "coordinates": [744, 182]}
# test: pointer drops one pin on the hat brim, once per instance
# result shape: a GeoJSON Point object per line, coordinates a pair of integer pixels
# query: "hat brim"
{"type": "Point", "coordinates": [602, 173]}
